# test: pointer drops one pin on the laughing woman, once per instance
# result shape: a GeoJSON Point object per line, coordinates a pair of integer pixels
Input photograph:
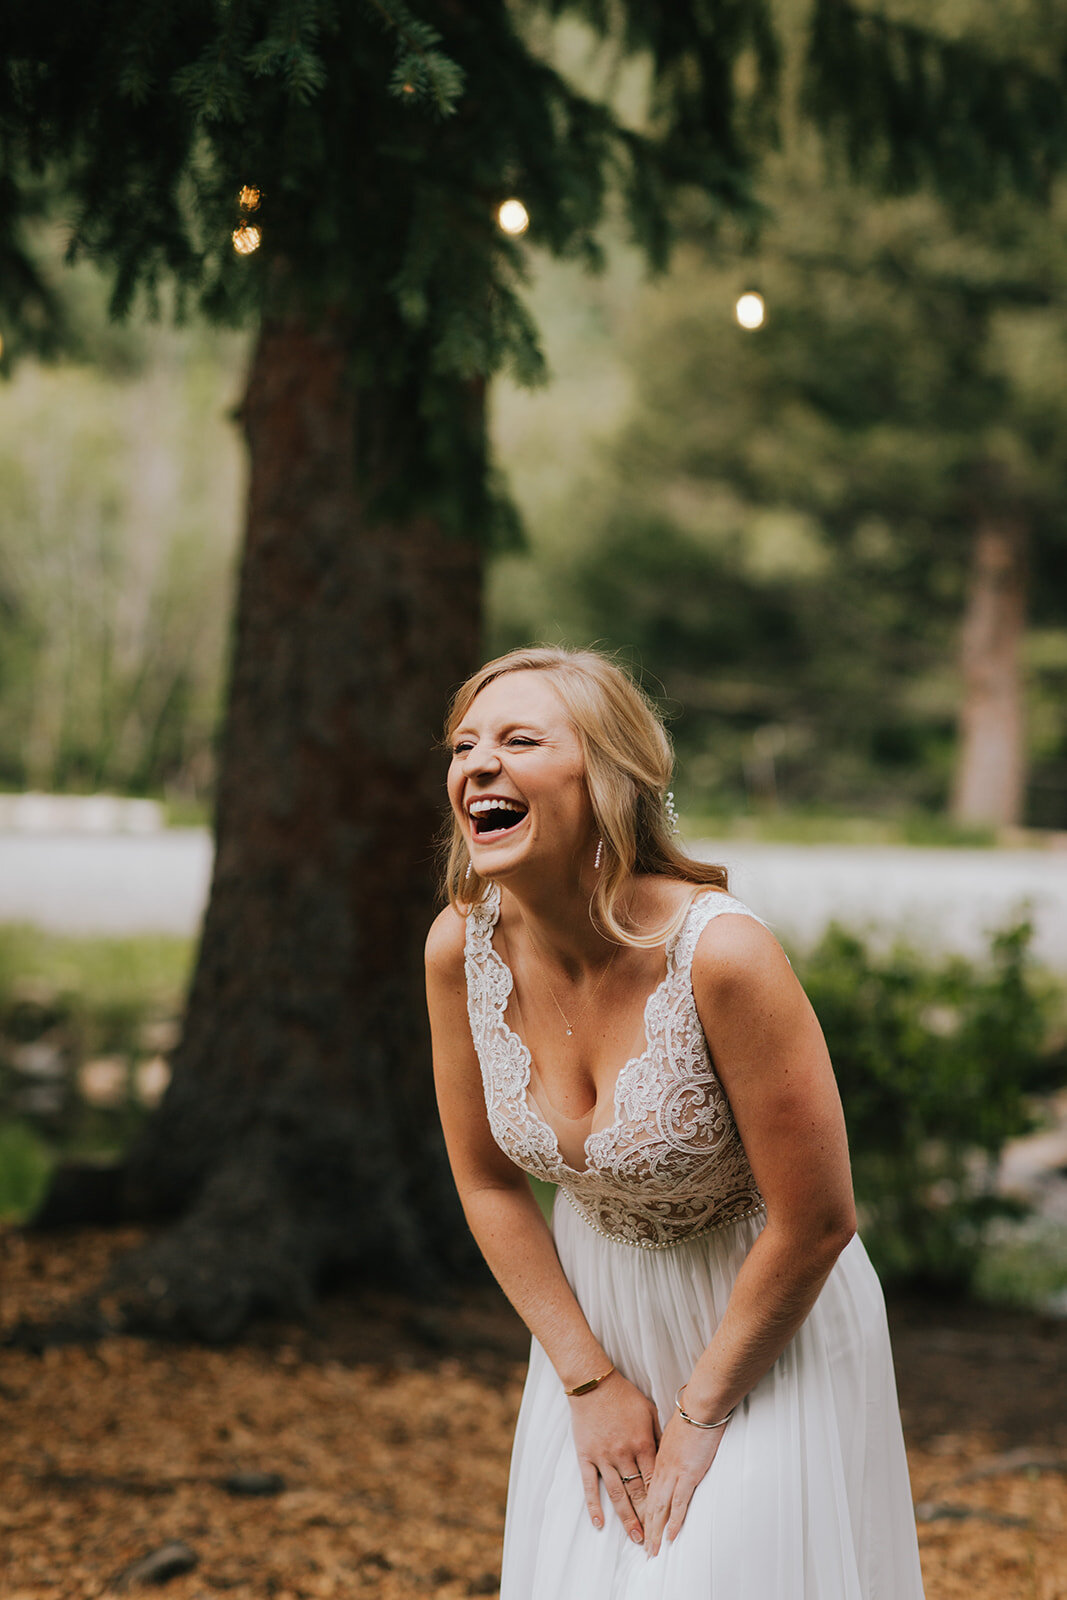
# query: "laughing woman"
{"type": "Point", "coordinates": [710, 1412]}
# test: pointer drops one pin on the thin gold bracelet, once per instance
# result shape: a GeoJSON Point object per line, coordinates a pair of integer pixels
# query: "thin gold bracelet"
{"type": "Point", "coordinates": [692, 1420]}
{"type": "Point", "coordinates": [590, 1385]}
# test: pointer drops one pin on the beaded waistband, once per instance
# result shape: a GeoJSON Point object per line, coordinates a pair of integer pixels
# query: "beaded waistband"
{"type": "Point", "coordinates": [756, 1210]}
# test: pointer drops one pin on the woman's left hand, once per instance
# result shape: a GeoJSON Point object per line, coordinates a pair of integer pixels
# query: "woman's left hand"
{"type": "Point", "coordinates": [685, 1453]}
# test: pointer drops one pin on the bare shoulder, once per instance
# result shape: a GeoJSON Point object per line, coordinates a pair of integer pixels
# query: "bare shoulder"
{"type": "Point", "coordinates": [445, 944]}
{"type": "Point", "coordinates": [736, 956]}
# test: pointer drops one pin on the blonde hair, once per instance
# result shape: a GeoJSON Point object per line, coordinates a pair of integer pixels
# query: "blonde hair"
{"type": "Point", "coordinates": [628, 762]}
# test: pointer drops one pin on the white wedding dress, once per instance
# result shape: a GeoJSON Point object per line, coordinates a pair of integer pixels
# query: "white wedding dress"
{"type": "Point", "coordinates": [808, 1495]}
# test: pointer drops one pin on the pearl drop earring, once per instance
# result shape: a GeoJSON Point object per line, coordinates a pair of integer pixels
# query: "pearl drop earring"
{"type": "Point", "coordinates": [599, 854]}
{"type": "Point", "coordinates": [467, 874]}
{"type": "Point", "coordinates": [669, 811]}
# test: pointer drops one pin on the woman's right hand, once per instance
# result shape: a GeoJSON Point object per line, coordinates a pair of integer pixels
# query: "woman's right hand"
{"type": "Point", "coordinates": [616, 1431]}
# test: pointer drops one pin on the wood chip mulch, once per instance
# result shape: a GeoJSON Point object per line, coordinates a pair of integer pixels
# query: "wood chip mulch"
{"type": "Point", "coordinates": [365, 1455]}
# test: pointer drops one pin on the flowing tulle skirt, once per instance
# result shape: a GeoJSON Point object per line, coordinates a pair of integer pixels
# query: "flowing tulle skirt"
{"type": "Point", "coordinates": [808, 1497]}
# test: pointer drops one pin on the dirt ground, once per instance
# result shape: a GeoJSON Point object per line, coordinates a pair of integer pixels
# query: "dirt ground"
{"type": "Point", "coordinates": [381, 1435]}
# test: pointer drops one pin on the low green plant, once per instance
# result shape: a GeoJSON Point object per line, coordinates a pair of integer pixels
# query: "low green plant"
{"type": "Point", "coordinates": [74, 1006]}
{"type": "Point", "coordinates": [26, 1163]}
{"type": "Point", "coordinates": [795, 825]}
{"type": "Point", "coordinates": [937, 1060]}
{"type": "Point", "coordinates": [188, 811]}
{"type": "Point", "coordinates": [545, 1195]}
{"type": "Point", "coordinates": [95, 972]}
{"type": "Point", "coordinates": [1025, 1265]}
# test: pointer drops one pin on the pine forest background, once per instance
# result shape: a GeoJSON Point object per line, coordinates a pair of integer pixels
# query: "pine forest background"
{"type": "Point", "coordinates": [776, 527]}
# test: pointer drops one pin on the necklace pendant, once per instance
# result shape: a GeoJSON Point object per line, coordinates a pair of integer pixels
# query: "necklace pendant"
{"type": "Point", "coordinates": [569, 1032]}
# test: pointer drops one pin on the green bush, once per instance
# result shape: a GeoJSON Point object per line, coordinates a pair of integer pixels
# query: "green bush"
{"type": "Point", "coordinates": [937, 1060]}
{"type": "Point", "coordinates": [1025, 1265]}
{"type": "Point", "coordinates": [67, 1004]}
{"type": "Point", "coordinates": [25, 1165]}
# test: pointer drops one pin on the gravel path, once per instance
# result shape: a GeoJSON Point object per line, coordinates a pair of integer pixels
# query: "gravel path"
{"type": "Point", "coordinates": [945, 899]}
{"type": "Point", "coordinates": [118, 883]}
{"type": "Point", "coordinates": [938, 899]}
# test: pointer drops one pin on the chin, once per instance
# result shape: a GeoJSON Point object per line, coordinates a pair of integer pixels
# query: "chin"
{"type": "Point", "coordinates": [499, 867]}
{"type": "Point", "coordinates": [500, 864]}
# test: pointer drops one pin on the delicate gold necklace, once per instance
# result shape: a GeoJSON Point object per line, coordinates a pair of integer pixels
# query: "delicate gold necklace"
{"type": "Point", "coordinates": [570, 1026]}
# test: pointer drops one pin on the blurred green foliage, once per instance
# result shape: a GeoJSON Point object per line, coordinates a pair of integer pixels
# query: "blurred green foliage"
{"type": "Point", "coordinates": [26, 1163]}
{"type": "Point", "coordinates": [938, 1061]}
{"type": "Point", "coordinates": [816, 826]}
{"type": "Point", "coordinates": [772, 526]}
{"type": "Point", "coordinates": [120, 480]}
{"type": "Point", "coordinates": [91, 971]}
{"type": "Point", "coordinates": [79, 1018]}
{"type": "Point", "coordinates": [1025, 1265]}
{"type": "Point", "coordinates": [776, 526]}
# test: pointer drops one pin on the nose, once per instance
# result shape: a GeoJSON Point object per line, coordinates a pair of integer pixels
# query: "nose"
{"type": "Point", "coordinates": [480, 758]}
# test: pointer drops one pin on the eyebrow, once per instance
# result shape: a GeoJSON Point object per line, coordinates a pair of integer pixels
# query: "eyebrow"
{"type": "Point", "coordinates": [506, 727]}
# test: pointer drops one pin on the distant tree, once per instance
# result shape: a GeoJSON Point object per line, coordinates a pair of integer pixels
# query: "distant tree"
{"type": "Point", "coordinates": [794, 519]}
{"type": "Point", "coordinates": [364, 149]}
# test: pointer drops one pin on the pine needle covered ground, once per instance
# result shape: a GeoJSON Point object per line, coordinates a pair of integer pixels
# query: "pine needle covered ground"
{"type": "Point", "coordinates": [366, 1454]}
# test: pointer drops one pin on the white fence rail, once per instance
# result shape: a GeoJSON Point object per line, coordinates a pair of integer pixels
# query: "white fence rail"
{"type": "Point", "coordinates": [79, 813]}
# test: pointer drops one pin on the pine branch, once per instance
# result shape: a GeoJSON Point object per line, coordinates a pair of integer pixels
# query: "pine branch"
{"type": "Point", "coordinates": [421, 70]}
{"type": "Point", "coordinates": [913, 108]}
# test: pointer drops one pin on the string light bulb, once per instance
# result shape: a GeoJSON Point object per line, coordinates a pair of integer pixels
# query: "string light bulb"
{"type": "Point", "coordinates": [248, 197]}
{"type": "Point", "coordinates": [513, 217]}
{"type": "Point", "coordinates": [750, 310]}
{"type": "Point", "coordinates": [247, 238]}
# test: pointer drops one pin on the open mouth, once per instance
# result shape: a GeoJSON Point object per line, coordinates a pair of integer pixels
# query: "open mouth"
{"type": "Point", "coordinates": [492, 817]}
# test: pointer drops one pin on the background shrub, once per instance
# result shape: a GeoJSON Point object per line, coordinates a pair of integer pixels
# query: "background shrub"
{"type": "Point", "coordinates": [938, 1060]}
{"type": "Point", "coordinates": [80, 1021]}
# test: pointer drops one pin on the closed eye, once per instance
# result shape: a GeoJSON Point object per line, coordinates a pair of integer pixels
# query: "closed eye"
{"type": "Point", "coordinates": [521, 740]}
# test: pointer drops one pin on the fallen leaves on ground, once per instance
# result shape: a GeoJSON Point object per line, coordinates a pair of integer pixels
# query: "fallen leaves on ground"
{"type": "Point", "coordinates": [389, 1428]}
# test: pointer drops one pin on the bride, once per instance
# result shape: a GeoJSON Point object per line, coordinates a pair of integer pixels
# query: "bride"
{"type": "Point", "coordinates": [710, 1411]}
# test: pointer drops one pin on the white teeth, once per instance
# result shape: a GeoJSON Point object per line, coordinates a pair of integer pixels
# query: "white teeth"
{"type": "Point", "coordinates": [476, 807]}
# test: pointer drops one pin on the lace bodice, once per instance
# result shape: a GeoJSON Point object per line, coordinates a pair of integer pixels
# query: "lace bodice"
{"type": "Point", "coordinates": [671, 1164]}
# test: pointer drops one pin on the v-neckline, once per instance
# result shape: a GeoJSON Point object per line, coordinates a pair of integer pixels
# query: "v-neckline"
{"type": "Point", "coordinates": [533, 1110]}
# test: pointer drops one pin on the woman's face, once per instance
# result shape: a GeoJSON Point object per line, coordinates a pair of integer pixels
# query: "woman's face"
{"type": "Point", "coordinates": [517, 779]}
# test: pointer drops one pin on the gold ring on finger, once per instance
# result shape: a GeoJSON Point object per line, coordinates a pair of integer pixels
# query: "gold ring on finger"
{"type": "Point", "coordinates": [632, 1476]}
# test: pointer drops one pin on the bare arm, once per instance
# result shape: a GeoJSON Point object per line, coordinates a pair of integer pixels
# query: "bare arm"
{"type": "Point", "coordinates": [772, 1060]}
{"type": "Point", "coordinates": [615, 1426]}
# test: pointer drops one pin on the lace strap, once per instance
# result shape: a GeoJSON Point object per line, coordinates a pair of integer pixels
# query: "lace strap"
{"type": "Point", "coordinates": [480, 921]}
{"type": "Point", "coordinates": [484, 974]}
{"type": "Point", "coordinates": [703, 910]}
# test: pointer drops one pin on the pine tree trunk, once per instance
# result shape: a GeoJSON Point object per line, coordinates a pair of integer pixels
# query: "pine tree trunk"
{"type": "Point", "coordinates": [991, 769]}
{"type": "Point", "coordinates": [299, 1136]}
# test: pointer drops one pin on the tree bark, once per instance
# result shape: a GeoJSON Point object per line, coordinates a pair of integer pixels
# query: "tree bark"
{"type": "Point", "coordinates": [991, 766]}
{"type": "Point", "coordinates": [299, 1136]}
